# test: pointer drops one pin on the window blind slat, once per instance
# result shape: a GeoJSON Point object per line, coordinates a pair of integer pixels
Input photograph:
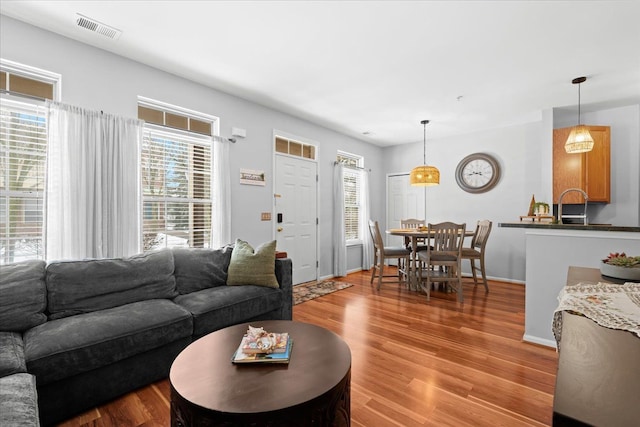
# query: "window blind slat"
{"type": "Point", "coordinates": [176, 170]}
{"type": "Point", "coordinates": [22, 167]}
{"type": "Point", "coordinates": [351, 186]}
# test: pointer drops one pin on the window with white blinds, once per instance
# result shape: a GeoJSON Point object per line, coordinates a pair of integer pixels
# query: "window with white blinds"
{"type": "Point", "coordinates": [176, 188]}
{"type": "Point", "coordinates": [352, 196]}
{"type": "Point", "coordinates": [22, 171]}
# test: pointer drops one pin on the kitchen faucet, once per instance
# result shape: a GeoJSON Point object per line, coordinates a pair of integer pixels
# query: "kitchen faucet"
{"type": "Point", "coordinates": [584, 215]}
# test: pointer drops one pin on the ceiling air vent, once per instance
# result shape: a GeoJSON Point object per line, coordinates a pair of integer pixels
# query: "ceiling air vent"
{"type": "Point", "coordinates": [97, 27]}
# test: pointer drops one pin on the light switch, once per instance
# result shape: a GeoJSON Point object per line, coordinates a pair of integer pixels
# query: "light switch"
{"type": "Point", "coordinates": [265, 216]}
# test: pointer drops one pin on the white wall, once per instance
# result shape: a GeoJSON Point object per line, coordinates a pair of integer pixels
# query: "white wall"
{"type": "Point", "coordinates": [523, 156]}
{"type": "Point", "coordinates": [525, 153]}
{"type": "Point", "coordinates": [99, 80]}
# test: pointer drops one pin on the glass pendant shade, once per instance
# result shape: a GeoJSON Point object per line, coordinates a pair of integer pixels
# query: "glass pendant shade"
{"type": "Point", "coordinates": [579, 141]}
{"type": "Point", "coordinates": [423, 176]}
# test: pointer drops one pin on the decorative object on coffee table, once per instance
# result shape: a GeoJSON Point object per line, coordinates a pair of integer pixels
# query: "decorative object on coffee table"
{"type": "Point", "coordinates": [260, 346]}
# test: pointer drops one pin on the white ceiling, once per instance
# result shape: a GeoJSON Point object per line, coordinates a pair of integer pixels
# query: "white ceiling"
{"type": "Point", "coordinates": [378, 66]}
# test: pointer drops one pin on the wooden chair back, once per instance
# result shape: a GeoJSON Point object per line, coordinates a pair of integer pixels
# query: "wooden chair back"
{"type": "Point", "coordinates": [412, 223]}
{"type": "Point", "coordinates": [483, 228]}
{"type": "Point", "coordinates": [376, 237]}
{"type": "Point", "coordinates": [446, 238]}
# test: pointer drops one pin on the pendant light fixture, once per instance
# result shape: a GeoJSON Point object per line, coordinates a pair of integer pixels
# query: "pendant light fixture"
{"type": "Point", "coordinates": [580, 140]}
{"type": "Point", "coordinates": [422, 176]}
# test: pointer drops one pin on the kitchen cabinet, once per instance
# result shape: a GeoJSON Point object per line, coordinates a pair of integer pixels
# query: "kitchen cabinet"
{"type": "Point", "coordinates": [589, 171]}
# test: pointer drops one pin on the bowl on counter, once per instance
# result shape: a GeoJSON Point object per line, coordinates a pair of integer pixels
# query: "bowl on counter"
{"type": "Point", "coordinates": [617, 272]}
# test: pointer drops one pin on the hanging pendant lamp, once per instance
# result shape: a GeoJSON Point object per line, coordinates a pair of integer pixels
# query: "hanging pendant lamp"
{"type": "Point", "coordinates": [422, 176]}
{"type": "Point", "coordinates": [580, 140]}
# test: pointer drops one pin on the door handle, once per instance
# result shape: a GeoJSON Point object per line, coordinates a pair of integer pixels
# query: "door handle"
{"type": "Point", "coordinates": [279, 229]}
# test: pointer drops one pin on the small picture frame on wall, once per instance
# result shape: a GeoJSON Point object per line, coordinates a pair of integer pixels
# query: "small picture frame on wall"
{"type": "Point", "coordinates": [252, 177]}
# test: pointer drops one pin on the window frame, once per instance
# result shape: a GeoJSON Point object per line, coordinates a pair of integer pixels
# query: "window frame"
{"type": "Point", "coordinates": [29, 104]}
{"type": "Point", "coordinates": [192, 139]}
{"type": "Point", "coordinates": [353, 170]}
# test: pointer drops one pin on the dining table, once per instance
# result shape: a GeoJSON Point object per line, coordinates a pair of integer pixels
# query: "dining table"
{"type": "Point", "coordinates": [415, 235]}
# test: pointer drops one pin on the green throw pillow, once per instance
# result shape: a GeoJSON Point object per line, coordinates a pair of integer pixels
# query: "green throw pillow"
{"type": "Point", "coordinates": [249, 267]}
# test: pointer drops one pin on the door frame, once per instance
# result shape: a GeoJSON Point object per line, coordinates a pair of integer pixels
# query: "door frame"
{"type": "Point", "coordinates": [386, 207]}
{"type": "Point", "coordinates": [308, 141]}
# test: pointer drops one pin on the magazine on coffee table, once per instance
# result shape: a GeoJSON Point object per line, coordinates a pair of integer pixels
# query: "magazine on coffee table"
{"type": "Point", "coordinates": [240, 357]}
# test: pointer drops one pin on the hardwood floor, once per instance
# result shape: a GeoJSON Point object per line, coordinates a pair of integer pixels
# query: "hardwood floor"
{"type": "Point", "coordinates": [414, 363]}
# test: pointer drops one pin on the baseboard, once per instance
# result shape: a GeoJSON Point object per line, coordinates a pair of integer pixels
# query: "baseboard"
{"type": "Point", "coordinates": [497, 279]}
{"type": "Point", "coordinates": [537, 340]}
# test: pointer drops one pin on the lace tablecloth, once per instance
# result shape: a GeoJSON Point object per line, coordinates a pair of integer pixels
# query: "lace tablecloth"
{"type": "Point", "coordinates": [610, 305]}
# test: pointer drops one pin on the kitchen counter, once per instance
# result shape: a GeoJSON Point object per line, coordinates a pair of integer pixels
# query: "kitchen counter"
{"type": "Point", "coordinates": [550, 226]}
{"type": "Point", "coordinates": [549, 251]}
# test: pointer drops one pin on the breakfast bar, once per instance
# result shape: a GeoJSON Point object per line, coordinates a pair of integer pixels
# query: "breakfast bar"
{"type": "Point", "coordinates": [550, 250]}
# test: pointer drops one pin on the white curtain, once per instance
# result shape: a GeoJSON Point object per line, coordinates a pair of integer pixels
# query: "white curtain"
{"type": "Point", "coordinates": [221, 215]}
{"type": "Point", "coordinates": [92, 197]}
{"type": "Point", "coordinates": [339, 239]}
{"type": "Point", "coordinates": [367, 243]}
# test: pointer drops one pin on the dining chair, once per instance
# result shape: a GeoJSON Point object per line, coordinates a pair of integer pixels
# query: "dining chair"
{"type": "Point", "coordinates": [476, 251]}
{"type": "Point", "coordinates": [382, 253]}
{"type": "Point", "coordinates": [413, 224]}
{"type": "Point", "coordinates": [444, 249]}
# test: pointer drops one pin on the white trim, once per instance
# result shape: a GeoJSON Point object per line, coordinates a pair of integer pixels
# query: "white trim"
{"type": "Point", "coordinates": [34, 73]}
{"type": "Point", "coordinates": [353, 156]}
{"type": "Point", "coordinates": [169, 132]}
{"type": "Point", "coordinates": [13, 100]}
{"type": "Point", "coordinates": [538, 340]}
{"type": "Point", "coordinates": [296, 138]}
{"type": "Point", "coordinates": [152, 103]}
{"type": "Point", "coordinates": [279, 133]}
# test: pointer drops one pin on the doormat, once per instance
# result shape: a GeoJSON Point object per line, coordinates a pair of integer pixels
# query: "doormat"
{"type": "Point", "coordinates": [309, 291]}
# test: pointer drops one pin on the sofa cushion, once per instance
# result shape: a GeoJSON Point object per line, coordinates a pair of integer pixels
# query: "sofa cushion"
{"type": "Point", "coordinates": [197, 269]}
{"type": "Point", "coordinates": [249, 267]}
{"type": "Point", "coordinates": [18, 401]}
{"type": "Point", "coordinates": [217, 308]}
{"type": "Point", "coordinates": [66, 347]}
{"type": "Point", "coordinates": [84, 286]}
{"type": "Point", "coordinates": [23, 296]}
{"type": "Point", "coordinates": [11, 353]}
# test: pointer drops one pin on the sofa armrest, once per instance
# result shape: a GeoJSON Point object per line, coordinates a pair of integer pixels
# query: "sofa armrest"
{"type": "Point", "coordinates": [284, 274]}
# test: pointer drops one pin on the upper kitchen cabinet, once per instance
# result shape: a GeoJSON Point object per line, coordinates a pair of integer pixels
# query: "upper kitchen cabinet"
{"type": "Point", "coordinates": [589, 171]}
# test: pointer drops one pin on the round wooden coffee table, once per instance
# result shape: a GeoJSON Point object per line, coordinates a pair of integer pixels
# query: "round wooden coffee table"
{"type": "Point", "coordinates": [312, 389]}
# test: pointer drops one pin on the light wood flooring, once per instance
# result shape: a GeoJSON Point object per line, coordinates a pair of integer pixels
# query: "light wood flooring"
{"type": "Point", "coordinates": [414, 363]}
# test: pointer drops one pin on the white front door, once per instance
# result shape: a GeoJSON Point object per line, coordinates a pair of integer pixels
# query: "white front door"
{"type": "Point", "coordinates": [403, 202]}
{"type": "Point", "coordinates": [295, 214]}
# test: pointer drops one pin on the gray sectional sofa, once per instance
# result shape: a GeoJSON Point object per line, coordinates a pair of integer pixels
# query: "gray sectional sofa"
{"type": "Point", "coordinates": [75, 334]}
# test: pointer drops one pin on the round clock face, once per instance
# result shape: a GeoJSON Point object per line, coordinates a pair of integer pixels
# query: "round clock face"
{"type": "Point", "coordinates": [477, 173]}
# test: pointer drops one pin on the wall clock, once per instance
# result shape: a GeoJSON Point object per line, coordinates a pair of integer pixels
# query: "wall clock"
{"type": "Point", "coordinates": [477, 173]}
